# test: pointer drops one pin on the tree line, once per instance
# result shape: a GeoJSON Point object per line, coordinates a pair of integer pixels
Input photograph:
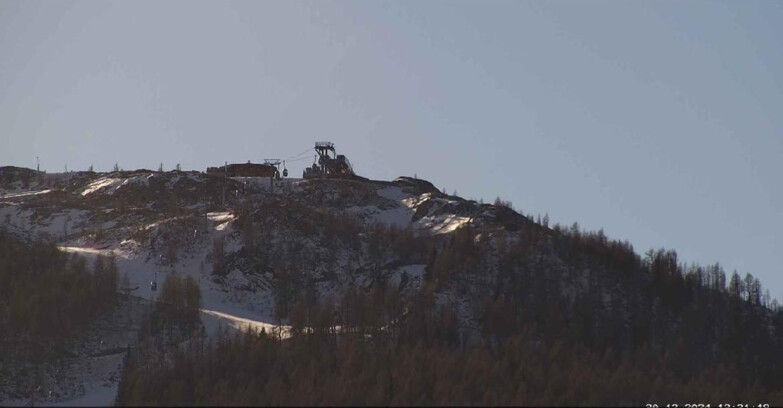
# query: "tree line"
{"type": "Point", "coordinates": [47, 295]}
{"type": "Point", "coordinates": [535, 316]}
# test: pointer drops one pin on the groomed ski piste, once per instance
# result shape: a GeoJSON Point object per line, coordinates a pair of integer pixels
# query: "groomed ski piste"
{"type": "Point", "coordinates": [225, 303]}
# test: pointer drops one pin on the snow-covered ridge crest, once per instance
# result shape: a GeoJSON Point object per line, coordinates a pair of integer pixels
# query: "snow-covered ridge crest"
{"type": "Point", "coordinates": [110, 185]}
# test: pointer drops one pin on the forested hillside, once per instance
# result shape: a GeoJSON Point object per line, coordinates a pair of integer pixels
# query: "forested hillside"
{"type": "Point", "coordinates": [47, 294]}
{"type": "Point", "coordinates": [370, 292]}
{"type": "Point", "coordinates": [564, 317]}
{"type": "Point", "coordinates": [47, 298]}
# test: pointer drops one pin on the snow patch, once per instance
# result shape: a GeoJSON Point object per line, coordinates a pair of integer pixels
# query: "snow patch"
{"type": "Point", "coordinates": [442, 224]}
{"type": "Point", "coordinates": [222, 218]}
{"type": "Point", "coordinates": [110, 185]}
{"type": "Point", "coordinates": [100, 389]}
{"type": "Point", "coordinates": [24, 194]}
{"type": "Point", "coordinates": [212, 320]}
{"type": "Point", "coordinates": [413, 274]}
{"type": "Point", "coordinates": [101, 183]}
{"type": "Point", "coordinates": [393, 193]}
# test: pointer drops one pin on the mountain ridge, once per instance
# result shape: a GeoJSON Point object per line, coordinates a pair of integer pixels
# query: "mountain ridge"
{"type": "Point", "coordinates": [263, 252]}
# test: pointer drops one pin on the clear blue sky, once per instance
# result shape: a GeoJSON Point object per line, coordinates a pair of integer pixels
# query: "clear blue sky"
{"type": "Point", "coordinates": [659, 121]}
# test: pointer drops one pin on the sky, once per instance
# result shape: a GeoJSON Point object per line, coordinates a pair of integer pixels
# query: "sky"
{"type": "Point", "coordinates": [659, 122]}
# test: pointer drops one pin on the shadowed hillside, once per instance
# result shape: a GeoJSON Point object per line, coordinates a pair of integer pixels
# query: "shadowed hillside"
{"type": "Point", "coordinates": [375, 292]}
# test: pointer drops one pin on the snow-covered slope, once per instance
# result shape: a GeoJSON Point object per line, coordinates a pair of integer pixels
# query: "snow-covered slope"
{"type": "Point", "coordinates": [184, 222]}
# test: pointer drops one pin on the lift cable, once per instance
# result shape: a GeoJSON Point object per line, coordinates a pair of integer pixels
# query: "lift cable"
{"type": "Point", "coordinates": [299, 159]}
{"type": "Point", "coordinates": [297, 155]}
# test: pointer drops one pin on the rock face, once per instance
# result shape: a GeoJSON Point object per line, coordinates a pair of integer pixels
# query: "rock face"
{"type": "Point", "coordinates": [416, 186]}
{"type": "Point", "coordinates": [167, 218]}
{"type": "Point", "coordinates": [235, 235]}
